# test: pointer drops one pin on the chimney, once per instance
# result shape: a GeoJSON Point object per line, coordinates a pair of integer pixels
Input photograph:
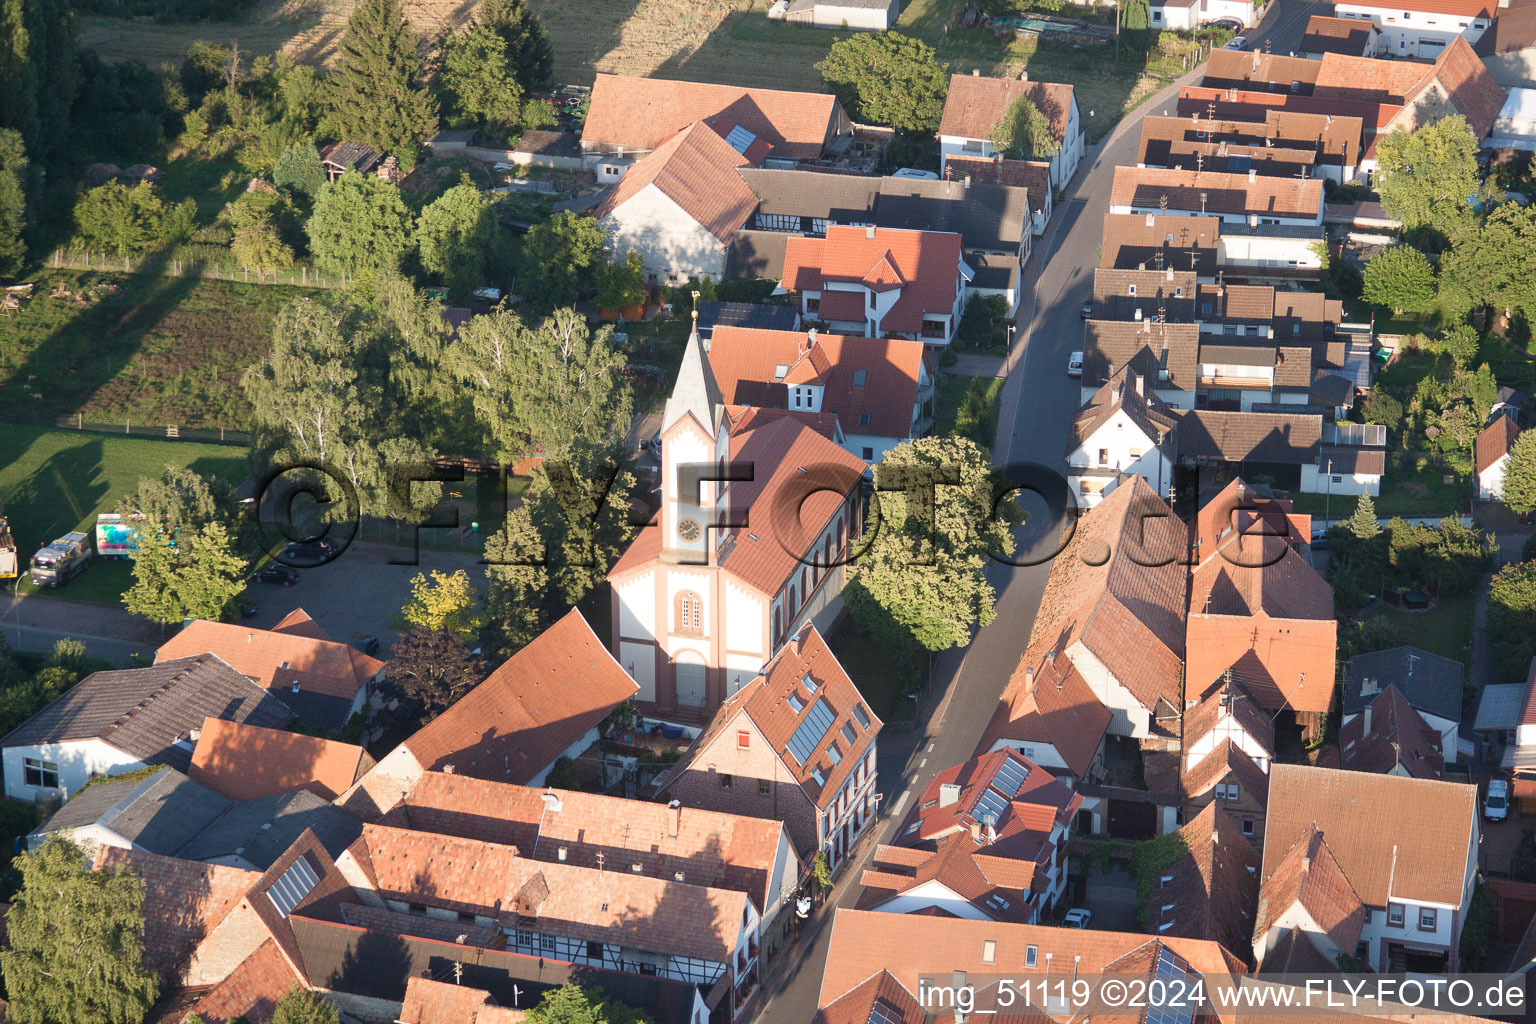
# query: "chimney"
{"type": "Point", "coordinates": [976, 832]}
{"type": "Point", "coordinates": [1151, 220]}
{"type": "Point", "coordinates": [949, 792]}
{"type": "Point", "coordinates": [810, 339]}
{"type": "Point", "coordinates": [1368, 686]}
{"type": "Point", "coordinates": [975, 72]}
{"type": "Point", "coordinates": [552, 804]}
{"type": "Point", "coordinates": [674, 817]}
{"type": "Point", "coordinates": [1253, 175]}
{"type": "Point", "coordinates": [869, 231]}
{"type": "Point", "coordinates": [967, 181]}
{"type": "Point", "coordinates": [1366, 725]}
{"type": "Point", "coordinates": [1029, 676]}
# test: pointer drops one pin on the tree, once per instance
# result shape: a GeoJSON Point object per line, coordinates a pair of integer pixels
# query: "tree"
{"type": "Point", "coordinates": [376, 89]}
{"type": "Point", "coordinates": [432, 668]}
{"type": "Point", "coordinates": [621, 283]}
{"type": "Point", "coordinates": [456, 232]}
{"type": "Point", "coordinates": [580, 506]}
{"type": "Point", "coordinates": [1512, 621]}
{"type": "Point", "coordinates": [887, 78]}
{"type": "Point", "coordinates": [481, 85]}
{"type": "Point", "coordinates": [517, 584]}
{"type": "Point", "coordinates": [299, 170]}
{"type": "Point", "coordinates": [360, 223]}
{"type": "Point", "coordinates": [258, 244]}
{"type": "Point", "coordinates": [558, 258]}
{"type": "Point", "coordinates": [1401, 278]}
{"type": "Point", "coordinates": [1381, 407]}
{"type": "Point", "coordinates": [1025, 131]}
{"type": "Point", "coordinates": [1520, 475]}
{"type": "Point", "coordinates": [1494, 266]}
{"type": "Point", "coordinates": [196, 576]}
{"type": "Point", "coordinates": [125, 220]}
{"type": "Point", "coordinates": [527, 40]}
{"type": "Point", "coordinates": [1363, 522]}
{"type": "Point", "coordinates": [1461, 342]}
{"type": "Point", "coordinates": [301, 1006]}
{"type": "Point", "coordinates": [75, 950]}
{"type": "Point", "coordinates": [1428, 179]}
{"type": "Point", "coordinates": [444, 603]}
{"type": "Point", "coordinates": [574, 1004]}
{"type": "Point", "coordinates": [39, 77]}
{"type": "Point", "coordinates": [924, 567]}
{"type": "Point", "coordinates": [13, 202]}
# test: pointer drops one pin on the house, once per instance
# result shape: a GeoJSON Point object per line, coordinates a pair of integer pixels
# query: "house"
{"type": "Point", "coordinates": [1033, 176]}
{"type": "Point", "coordinates": [874, 15]}
{"type": "Point", "coordinates": [340, 157]}
{"type": "Point", "coordinates": [1049, 714]}
{"type": "Point", "coordinates": [1515, 127]}
{"type": "Point", "coordinates": [1391, 736]}
{"type": "Point", "coordinates": [706, 597]}
{"type": "Point", "coordinates": [985, 840]}
{"type": "Point", "coordinates": [880, 389]}
{"type": "Point", "coordinates": [975, 106]}
{"type": "Point", "coordinates": [1228, 746]}
{"type": "Point", "coordinates": [1238, 199]}
{"type": "Point", "coordinates": [157, 810]}
{"type": "Point", "coordinates": [750, 315]}
{"type": "Point", "coordinates": [1166, 355]}
{"type": "Point", "coordinates": [879, 282]}
{"type": "Point", "coordinates": [628, 117]}
{"type": "Point", "coordinates": [1492, 452]}
{"type": "Point", "coordinates": [324, 682]}
{"type": "Point", "coordinates": [1406, 856]}
{"type": "Point", "coordinates": [1351, 37]}
{"type": "Point", "coordinates": [542, 704]}
{"type": "Point", "coordinates": [752, 855]}
{"type": "Point", "coordinates": [445, 1002]}
{"type": "Point", "coordinates": [1188, 15]}
{"type": "Point", "coordinates": [1508, 46]}
{"type": "Point", "coordinates": [1284, 143]}
{"type": "Point", "coordinates": [1258, 609]}
{"type": "Point", "coordinates": [1431, 685]}
{"type": "Point", "coordinates": [1422, 28]}
{"type": "Point", "coordinates": [796, 743]}
{"type": "Point", "coordinates": [679, 206]}
{"type": "Point", "coordinates": [1124, 430]}
{"type": "Point", "coordinates": [244, 762]}
{"type": "Point", "coordinates": [253, 834]}
{"type": "Point", "coordinates": [117, 721]}
{"type": "Point", "coordinates": [1211, 891]}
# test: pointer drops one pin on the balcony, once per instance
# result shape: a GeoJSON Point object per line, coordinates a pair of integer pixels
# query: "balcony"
{"type": "Point", "coordinates": [1222, 380]}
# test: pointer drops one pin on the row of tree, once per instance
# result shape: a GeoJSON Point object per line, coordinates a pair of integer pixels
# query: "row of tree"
{"type": "Point", "coordinates": [1366, 560]}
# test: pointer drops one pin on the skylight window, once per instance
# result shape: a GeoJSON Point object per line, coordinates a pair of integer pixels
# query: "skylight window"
{"type": "Point", "coordinates": [850, 734]}
{"type": "Point", "coordinates": [835, 754]}
{"type": "Point", "coordinates": [780, 371]}
{"type": "Point", "coordinates": [859, 377]}
{"type": "Point", "coordinates": [795, 703]}
{"type": "Point", "coordinates": [810, 684]}
{"type": "Point", "coordinates": [740, 139]}
{"type": "Point", "coordinates": [861, 715]}
{"type": "Point", "coordinates": [293, 886]}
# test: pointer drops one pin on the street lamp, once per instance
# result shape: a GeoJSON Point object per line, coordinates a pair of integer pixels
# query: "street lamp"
{"type": "Point", "coordinates": [1328, 490]}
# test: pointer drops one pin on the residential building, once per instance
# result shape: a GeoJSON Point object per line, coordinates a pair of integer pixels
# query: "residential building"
{"type": "Point", "coordinates": [1406, 855]}
{"type": "Point", "coordinates": [1228, 746]}
{"type": "Point", "coordinates": [1284, 143]}
{"type": "Point", "coordinates": [542, 704]}
{"type": "Point", "coordinates": [704, 598]}
{"type": "Point", "coordinates": [1166, 355]}
{"type": "Point", "coordinates": [1431, 685]}
{"type": "Point", "coordinates": [796, 743]}
{"type": "Point", "coordinates": [628, 117]}
{"type": "Point", "coordinates": [447, 1002]}
{"type": "Point", "coordinates": [1258, 610]}
{"type": "Point", "coordinates": [879, 389]}
{"type": "Point", "coordinates": [879, 282]}
{"type": "Point", "coordinates": [1049, 714]}
{"type": "Point", "coordinates": [1391, 736]}
{"type": "Point", "coordinates": [1188, 15]}
{"type": "Point", "coordinates": [985, 840]}
{"type": "Point", "coordinates": [679, 206]}
{"type": "Point", "coordinates": [1237, 199]}
{"type": "Point", "coordinates": [323, 681]}
{"type": "Point", "coordinates": [1508, 46]}
{"type": "Point", "coordinates": [1272, 254]}
{"type": "Point", "coordinates": [872, 15]}
{"type": "Point", "coordinates": [1034, 176]}
{"type": "Point", "coordinates": [975, 106]}
{"type": "Point", "coordinates": [245, 762]}
{"type": "Point", "coordinates": [751, 855]}
{"type": "Point", "coordinates": [1124, 430]}
{"type": "Point", "coordinates": [1492, 454]}
{"type": "Point", "coordinates": [1211, 891]}
{"type": "Point", "coordinates": [117, 721]}
{"type": "Point", "coordinates": [1351, 37]}
{"type": "Point", "coordinates": [1422, 28]}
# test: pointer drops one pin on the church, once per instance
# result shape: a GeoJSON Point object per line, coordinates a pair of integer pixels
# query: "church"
{"type": "Point", "coordinates": [759, 509]}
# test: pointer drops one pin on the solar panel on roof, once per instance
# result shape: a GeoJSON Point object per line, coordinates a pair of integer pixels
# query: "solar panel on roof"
{"type": "Point", "coordinates": [883, 1013]}
{"type": "Point", "coordinates": [1171, 968]}
{"type": "Point", "coordinates": [1010, 776]}
{"type": "Point", "coordinates": [990, 806]}
{"type": "Point", "coordinates": [811, 731]}
{"type": "Point", "coordinates": [740, 139]}
{"type": "Point", "coordinates": [293, 886]}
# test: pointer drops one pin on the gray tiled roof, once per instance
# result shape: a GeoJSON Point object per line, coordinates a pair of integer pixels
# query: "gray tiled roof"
{"type": "Point", "coordinates": [1250, 437]}
{"type": "Point", "coordinates": [752, 315]}
{"type": "Point", "coordinates": [144, 711]}
{"type": "Point", "coordinates": [1431, 683]}
{"type": "Point", "coordinates": [158, 813]}
{"type": "Point", "coordinates": [258, 831]}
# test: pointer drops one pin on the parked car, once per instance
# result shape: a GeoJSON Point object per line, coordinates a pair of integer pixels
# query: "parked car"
{"type": "Point", "coordinates": [1496, 801]}
{"type": "Point", "coordinates": [1087, 310]}
{"type": "Point", "coordinates": [1237, 43]}
{"type": "Point", "coordinates": [1230, 24]}
{"type": "Point", "coordinates": [1077, 917]}
{"type": "Point", "coordinates": [310, 552]}
{"type": "Point", "coordinates": [275, 575]}
{"type": "Point", "coordinates": [367, 643]}
{"type": "Point", "coordinates": [1075, 365]}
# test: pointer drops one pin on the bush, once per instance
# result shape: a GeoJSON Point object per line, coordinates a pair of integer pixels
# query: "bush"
{"type": "Point", "coordinates": [979, 328]}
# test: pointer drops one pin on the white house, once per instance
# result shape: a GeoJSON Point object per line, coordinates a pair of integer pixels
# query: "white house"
{"type": "Point", "coordinates": [1492, 449]}
{"type": "Point", "coordinates": [113, 722]}
{"type": "Point", "coordinates": [1421, 28]}
{"type": "Point", "coordinates": [976, 105]}
{"type": "Point", "coordinates": [870, 15]}
{"type": "Point", "coordinates": [1123, 431]}
{"type": "Point", "coordinates": [1188, 15]}
{"type": "Point", "coordinates": [1345, 470]}
{"type": "Point", "coordinates": [1239, 199]}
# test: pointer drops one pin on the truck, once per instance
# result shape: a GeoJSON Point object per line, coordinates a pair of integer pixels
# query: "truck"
{"type": "Point", "coordinates": [62, 560]}
{"type": "Point", "coordinates": [8, 569]}
{"type": "Point", "coordinates": [117, 536]}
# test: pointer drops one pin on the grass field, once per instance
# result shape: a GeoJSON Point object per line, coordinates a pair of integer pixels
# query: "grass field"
{"type": "Point", "coordinates": [1445, 629]}
{"type": "Point", "coordinates": [55, 481]}
{"type": "Point", "coordinates": [1441, 499]}
{"type": "Point", "coordinates": [968, 406]}
{"type": "Point", "coordinates": [163, 351]}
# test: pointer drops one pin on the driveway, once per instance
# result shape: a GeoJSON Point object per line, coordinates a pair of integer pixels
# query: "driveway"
{"type": "Point", "coordinates": [35, 623]}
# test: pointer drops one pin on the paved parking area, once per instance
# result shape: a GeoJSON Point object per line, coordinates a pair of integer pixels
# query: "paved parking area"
{"type": "Point", "coordinates": [1112, 898]}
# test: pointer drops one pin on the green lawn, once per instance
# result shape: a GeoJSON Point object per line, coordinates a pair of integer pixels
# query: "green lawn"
{"type": "Point", "coordinates": [1445, 629]}
{"type": "Point", "coordinates": [968, 406]}
{"type": "Point", "coordinates": [166, 351]}
{"type": "Point", "coordinates": [55, 481]}
{"type": "Point", "coordinates": [1400, 496]}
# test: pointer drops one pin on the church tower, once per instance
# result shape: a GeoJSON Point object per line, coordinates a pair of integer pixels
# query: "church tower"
{"type": "Point", "coordinates": [690, 430]}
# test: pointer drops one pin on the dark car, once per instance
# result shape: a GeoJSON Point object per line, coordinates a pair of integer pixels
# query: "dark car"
{"type": "Point", "coordinates": [1087, 311]}
{"type": "Point", "coordinates": [367, 643]}
{"type": "Point", "coordinates": [275, 575]}
{"type": "Point", "coordinates": [310, 552]}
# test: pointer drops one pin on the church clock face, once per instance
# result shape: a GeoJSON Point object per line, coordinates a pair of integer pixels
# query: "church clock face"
{"type": "Point", "coordinates": [688, 529]}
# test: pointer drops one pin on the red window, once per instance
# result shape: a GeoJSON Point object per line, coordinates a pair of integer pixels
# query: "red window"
{"type": "Point", "coordinates": [743, 739]}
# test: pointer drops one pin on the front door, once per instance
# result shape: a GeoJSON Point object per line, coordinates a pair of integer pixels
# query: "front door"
{"type": "Point", "coordinates": [690, 683]}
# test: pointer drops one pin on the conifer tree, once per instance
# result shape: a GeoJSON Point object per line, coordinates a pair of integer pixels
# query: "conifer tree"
{"type": "Point", "coordinates": [377, 91]}
{"type": "Point", "coordinates": [528, 49]}
{"type": "Point", "coordinates": [1363, 522]}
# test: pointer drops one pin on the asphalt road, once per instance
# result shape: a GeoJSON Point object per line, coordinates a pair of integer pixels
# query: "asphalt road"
{"type": "Point", "coordinates": [1039, 402]}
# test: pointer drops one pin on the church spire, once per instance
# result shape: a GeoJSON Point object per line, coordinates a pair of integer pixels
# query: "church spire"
{"type": "Point", "coordinates": [696, 391]}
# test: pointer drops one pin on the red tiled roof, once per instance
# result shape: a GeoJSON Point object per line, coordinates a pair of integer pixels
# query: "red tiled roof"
{"type": "Point", "coordinates": [1326, 34]}
{"type": "Point", "coordinates": [1309, 873]}
{"type": "Point", "coordinates": [640, 113]}
{"type": "Point", "coordinates": [881, 998]}
{"type": "Point", "coordinates": [445, 1002]}
{"type": "Point", "coordinates": [526, 713]}
{"type": "Point", "coordinates": [1024, 822]}
{"type": "Point", "coordinates": [1495, 440]}
{"type": "Point", "coordinates": [1227, 760]}
{"type": "Point", "coordinates": [252, 990]}
{"type": "Point", "coordinates": [1470, 86]}
{"type": "Point", "coordinates": [1398, 738]}
{"type": "Point", "coordinates": [999, 887]}
{"type": "Point", "coordinates": [1239, 509]}
{"type": "Point", "coordinates": [975, 104]}
{"type": "Point", "coordinates": [744, 362]}
{"type": "Point", "coordinates": [1047, 701]}
{"type": "Point", "coordinates": [1453, 8]}
{"type": "Point", "coordinates": [275, 659]}
{"type": "Point", "coordinates": [926, 264]}
{"type": "Point", "coordinates": [1033, 175]}
{"type": "Point", "coordinates": [696, 169]}
{"type": "Point", "coordinates": [1215, 885]}
{"type": "Point", "coordinates": [1236, 703]}
{"type": "Point", "coordinates": [1223, 193]}
{"type": "Point", "coordinates": [245, 762]}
